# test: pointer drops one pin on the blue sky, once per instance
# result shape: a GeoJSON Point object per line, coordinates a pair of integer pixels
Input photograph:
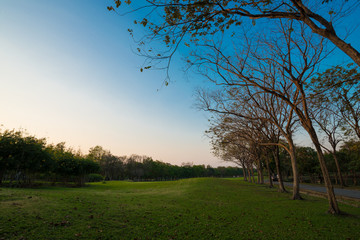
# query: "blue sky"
{"type": "Point", "coordinates": [68, 73]}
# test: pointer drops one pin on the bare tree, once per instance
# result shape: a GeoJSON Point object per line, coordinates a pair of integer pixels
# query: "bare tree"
{"type": "Point", "coordinates": [295, 53]}
{"type": "Point", "coordinates": [331, 125]}
{"type": "Point", "coordinates": [173, 21]}
{"type": "Point", "coordinates": [338, 90]}
{"type": "Point", "coordinates": [235, 139]}
{"type": "Point", "coordinates": [279, 66]}
{"type": "Point", "coordinates": [270, 116]}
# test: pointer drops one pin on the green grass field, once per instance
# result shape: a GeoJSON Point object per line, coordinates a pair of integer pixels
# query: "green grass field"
{"type": "Point", "coordinates": [187, 209]}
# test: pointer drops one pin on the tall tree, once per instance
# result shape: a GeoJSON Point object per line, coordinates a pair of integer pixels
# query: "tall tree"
{"type": "Point", "coordinates": [174, 20]}
{"type": "Point", "coordinates": [338, 89]}
{"type": "Point", "coordinates": [295, 57]}
{"type": "Point", "coordinates": [330, 124]}
{"type": "Point", "coordinates": [280, 66]}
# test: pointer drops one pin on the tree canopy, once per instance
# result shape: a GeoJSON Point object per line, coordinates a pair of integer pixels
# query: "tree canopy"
{"type": "Point", "coordinates": [194, 20]}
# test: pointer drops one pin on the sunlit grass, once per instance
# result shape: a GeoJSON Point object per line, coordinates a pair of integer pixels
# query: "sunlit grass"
{"type": "Point", "coordinates": [187, 209]}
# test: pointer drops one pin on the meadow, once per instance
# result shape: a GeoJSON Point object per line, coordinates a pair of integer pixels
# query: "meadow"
{"type": "Point", "coordinates": [199, 208]}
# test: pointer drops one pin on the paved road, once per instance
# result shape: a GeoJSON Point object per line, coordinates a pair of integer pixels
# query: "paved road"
{"type": "Point", "coordinates": [338, 191]}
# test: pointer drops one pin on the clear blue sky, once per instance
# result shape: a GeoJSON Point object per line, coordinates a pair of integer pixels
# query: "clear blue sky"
{"type": "Point", "coordinates": [68, 73]}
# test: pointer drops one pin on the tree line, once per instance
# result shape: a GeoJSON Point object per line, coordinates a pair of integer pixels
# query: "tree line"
{"type": "Point", "coordinates": [144, 168]}
{"type": "Point", "coordinates": [26, 160]}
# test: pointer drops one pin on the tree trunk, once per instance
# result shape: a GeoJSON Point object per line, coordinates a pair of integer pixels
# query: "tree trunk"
{"type": "Point", "coordinates": [244, 170]}
{"type": "Point", "coordinates": [336, 179]}
{"type": "Point", "coordinates": [354, 177]}
{"type": "Point", "coordinates": [338, 168]}
{"type": "Point", "coordinates": [277, 163]}
{"type": "Point", "coordinates": [260, 172]}
{"type": "Point", "coordinates": [269, 173]}
{"type": "Point", "coordinates": [252, 173]}
{"type": "Point", "coordinates": [1, 177]}
{"type": "Point", "coordinates": [296, 181]}
{"type": "Point", "coordinates": [333, 206]}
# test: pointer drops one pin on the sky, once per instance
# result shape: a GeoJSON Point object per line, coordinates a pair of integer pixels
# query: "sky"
{"type": "Point", "coordinates": [68, 72]}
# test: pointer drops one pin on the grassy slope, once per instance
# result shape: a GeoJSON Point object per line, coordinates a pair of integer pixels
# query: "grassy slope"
{"type": "Point", "coordinates": [186, 209]}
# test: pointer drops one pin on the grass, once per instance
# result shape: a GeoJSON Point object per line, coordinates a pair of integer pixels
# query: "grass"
{"type": "Point", "coordinates": [204, 208]}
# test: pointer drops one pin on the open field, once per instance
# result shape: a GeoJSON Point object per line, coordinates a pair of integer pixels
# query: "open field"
{"type": "Point", "coordinates": [203, 208]}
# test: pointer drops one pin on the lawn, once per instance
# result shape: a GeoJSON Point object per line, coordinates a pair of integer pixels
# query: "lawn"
{"type": "Point", "coordinates": [203, 208]}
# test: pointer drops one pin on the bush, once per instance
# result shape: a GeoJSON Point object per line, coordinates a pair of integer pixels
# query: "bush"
{"type": "Point", "coordinates": [94, 177]}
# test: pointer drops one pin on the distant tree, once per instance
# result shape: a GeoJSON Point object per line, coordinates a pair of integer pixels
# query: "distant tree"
{"type": "Point", "coordinates": [111, 166]}
{"type": "Point", "coordinates": [97, 153]}
{"type": "Point", "coordinates": [72, 166]}
{"type": "Point", "coordinates": [350, 151]}
{"type": "Point", "coordinates": [84, 168]}
{"type": "Point", "coordinates": [22, 156]}
{"type": "Point", "coordinates": [308, 163]}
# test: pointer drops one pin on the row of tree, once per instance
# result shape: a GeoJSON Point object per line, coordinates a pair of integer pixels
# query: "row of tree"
{"type": "Point", "coordinates": [262, 57]}
{"type": "Point", "coordinates": [274, 92]}
{"type": "Point", "coordinates": [25, 158]}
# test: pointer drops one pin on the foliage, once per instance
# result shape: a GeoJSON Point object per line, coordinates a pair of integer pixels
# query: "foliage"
{"type": "Point", "coordinates": [351, 155]}
{"type": "Point", "coordinates": [338, 89]}
{"type": "Point", "coordinates": [24, 158]}
{"type": "Point", "coordinates": [95, 177]}
{"type": "Point", "coordinates": [308, 163]}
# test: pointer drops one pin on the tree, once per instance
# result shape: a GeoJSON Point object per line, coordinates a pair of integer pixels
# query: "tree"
{"type": "Point", "coordinates": [270, 116]}
{"type": "Point", "coordinates": [174, 21]}
{"type": "Point", "coordinates": [227, 145]}
{"type": "Point", "coordinates": [338, 88]}
{"type": "Point", "coordinates": [280, 66]}
{"type": "Point", "coordinates": [72, 166]}
{"type": "Point", "coordinates": [308, 163]}
{"type": "Point", "coordinates": [351, 151]}
{"type": "Point", "coordinates": [330, 124]}
{"type": "Point", "coordinates": [22, 156]}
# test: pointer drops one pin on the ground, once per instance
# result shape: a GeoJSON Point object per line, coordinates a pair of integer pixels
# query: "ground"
{"type": "Point", "coordinates": [203, 208]}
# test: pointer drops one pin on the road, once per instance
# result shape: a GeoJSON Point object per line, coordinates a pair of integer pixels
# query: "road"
{"type": "Point", "coordinates": [338, 191]}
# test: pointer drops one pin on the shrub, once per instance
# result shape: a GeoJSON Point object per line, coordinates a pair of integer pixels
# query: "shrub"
{"type": "Point", "coordinates": [94, 177]}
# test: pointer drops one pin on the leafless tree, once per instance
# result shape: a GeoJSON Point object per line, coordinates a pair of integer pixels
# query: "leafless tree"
{"type": "Point", "coordinates": [280, 66]}
{"type": "Point", "coordinates": [174, 22]}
